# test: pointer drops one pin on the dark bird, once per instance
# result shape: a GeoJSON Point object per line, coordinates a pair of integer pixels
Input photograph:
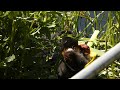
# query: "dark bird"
{"type": "Point", "coordinates": [74, 58]}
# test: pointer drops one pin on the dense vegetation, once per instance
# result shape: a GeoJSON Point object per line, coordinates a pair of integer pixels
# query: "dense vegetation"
{"type": "Point", "coordinates": [28, 41]}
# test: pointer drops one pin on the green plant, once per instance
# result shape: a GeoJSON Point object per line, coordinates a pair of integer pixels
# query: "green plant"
{"type": "Point", "coordinates": [27, 40]}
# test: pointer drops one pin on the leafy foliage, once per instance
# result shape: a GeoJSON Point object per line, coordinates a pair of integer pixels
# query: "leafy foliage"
{"type": "Point", "coordinates": [27, 43]}
{"type": "Point", "coordinates": [28, 39]}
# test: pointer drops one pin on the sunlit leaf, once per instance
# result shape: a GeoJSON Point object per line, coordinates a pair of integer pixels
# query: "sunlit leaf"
{"type": "Point", "coordinates": [10, 58]}
{"type": "Point", "coordinates": [98, 52]}
{"type": "Point", "coordinates": [93, 38]}
{"type": "Point", "coordinates": [51, 26]}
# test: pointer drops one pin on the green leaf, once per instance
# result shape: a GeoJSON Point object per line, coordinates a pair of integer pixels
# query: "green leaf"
{"type": "Point", "coordinates": [51, 26]}
{"type": "Point", "coordinates": [83, 40]}
{"type": "Point", "coordinates": [93, 38]}
{"type": "Point", "coordinates": [7, 13]}
{"type": "Point", "coordinates": [10, 58]}
{"type": "Point", "coordinates": [2, 64]}
{"type": "Point", "coordinates": [98, 52]}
